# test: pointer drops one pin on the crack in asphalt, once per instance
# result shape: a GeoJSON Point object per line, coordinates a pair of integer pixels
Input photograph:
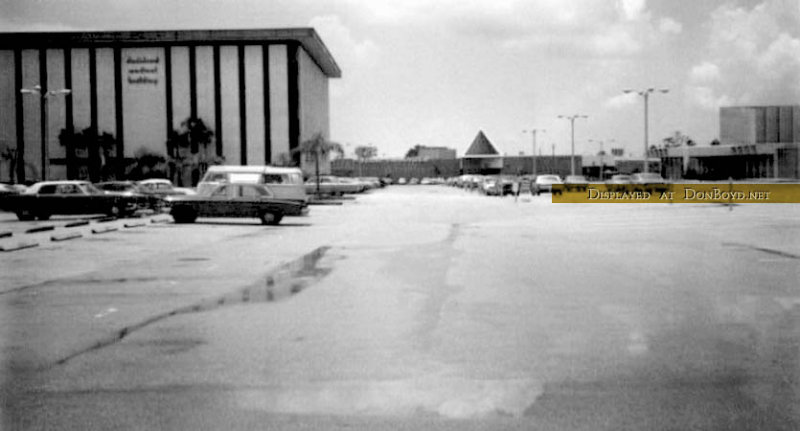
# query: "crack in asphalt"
{"type": "Point", "coordinates": [763, 249]}
{"type": "Point", "coordinates": [283, 282]}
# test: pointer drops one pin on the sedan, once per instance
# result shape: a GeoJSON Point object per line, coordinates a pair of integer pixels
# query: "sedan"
{"type": "Point", "coordinates": [619, 182]}
{"type": "Point", "coordinates": [576, 183]}
{"type": "Point", "coordinates": [650, 181]}
{"type": "Point", "coordinates": [233, 200]}
{"type": "Point", "coordinates": [46, 198]}
{"type": "Point", "coordinates": [544, 183]}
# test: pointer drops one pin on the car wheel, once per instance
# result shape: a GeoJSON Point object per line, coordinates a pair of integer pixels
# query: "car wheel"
{"type": "Point", "coordinates": [271, 218]}
{"type": "Point", "coordinates": [184, 215]}
{"type": "Point", "coordinates": [115, 211]}
{"type": "Point", "coordinates": [25, 215]}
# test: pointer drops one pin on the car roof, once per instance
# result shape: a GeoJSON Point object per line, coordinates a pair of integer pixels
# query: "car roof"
{"type": "Point", "coordinates": [155, 180]}
{"type": "Point", "coordinates": [254, 169]}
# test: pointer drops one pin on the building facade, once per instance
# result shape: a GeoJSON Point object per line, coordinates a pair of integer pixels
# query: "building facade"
{"type": "Point", "coordinates": [261, 92]}
{"type": "Point", "coordinates": [435, 153]}
{"type": "Point", "coordinates": [755, 142]}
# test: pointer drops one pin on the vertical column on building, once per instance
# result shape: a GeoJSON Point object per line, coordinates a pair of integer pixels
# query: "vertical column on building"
{"type": "Point", "coordinates": [267, 117]}
{"type": "Point", "coordinates": [293, 72]}
{"type": "Point", "coordinates": [168, 90]}
{"type": "Point", "coordinates": [43, 113]}
{"type": "Point", "coordinates": [19, 115]}
{"type": "Point", "coordinates": [118, 112]}
{"type": "Point", "coordinates": [94, 156]}
{"type": "Point", "coordinates": [69, 126]}
{"type": "Point", "coordinates": [217, 100]}
{"type": "Point", "coordinates": [242, 106]}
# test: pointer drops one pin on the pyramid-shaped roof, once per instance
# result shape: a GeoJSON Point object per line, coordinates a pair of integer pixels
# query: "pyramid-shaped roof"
{"type": "Point", "coordinates": [481, 146]}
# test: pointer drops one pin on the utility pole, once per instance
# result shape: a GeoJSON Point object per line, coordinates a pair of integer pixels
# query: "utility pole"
{"type": "Point", "coordinates": [646, 95]}
{"type": "Point", "coordinates": [572, 119]}
{"type": "Point", "coordinates": [533, 153]}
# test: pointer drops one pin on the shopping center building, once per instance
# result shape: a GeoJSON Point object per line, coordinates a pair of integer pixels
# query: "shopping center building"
{"type": "Point", "coordinates": [261, 92]}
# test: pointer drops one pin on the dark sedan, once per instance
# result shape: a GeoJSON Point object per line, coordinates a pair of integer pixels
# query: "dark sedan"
{"type": "Point", "coordinates": [233, 200]}
{"type": "Point", "coordinates": [47, 198]}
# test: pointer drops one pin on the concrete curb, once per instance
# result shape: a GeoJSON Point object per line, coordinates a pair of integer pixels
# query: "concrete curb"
{"type": "Point", "coordinates": [104, 229]}
{"type": "Point", "coordinates": [40, 229]}
{"type": "Point", "coordinates": [18, 246]}
{"type": "Point", "coordinates": [77, 223]}
{"type": "Point", "coordinates": [66, 236]}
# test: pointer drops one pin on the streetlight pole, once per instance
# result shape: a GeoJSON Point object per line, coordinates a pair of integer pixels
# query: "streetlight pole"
{"type": "Point", "coordinates": [646, 96]}
{"type": "Point", "coordinates": [572, 119]}
{"type": "Point", "coordinates": [533, 154]}
{"type": "Point", "coordinates": [44, 129]}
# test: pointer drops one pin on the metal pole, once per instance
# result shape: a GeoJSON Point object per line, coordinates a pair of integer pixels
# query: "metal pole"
{"type": "Point", "coordinates": [572, 150]}
{"type": "Point", "coordinates": [533, 154]}
{"type": "Point", "coordinates": [646, 147]}
{"type": "Point", "coordinates": [44, 131]}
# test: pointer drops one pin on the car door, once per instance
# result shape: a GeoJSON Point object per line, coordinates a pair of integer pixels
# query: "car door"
{"type": "Point", "coordinates": [216, 203]}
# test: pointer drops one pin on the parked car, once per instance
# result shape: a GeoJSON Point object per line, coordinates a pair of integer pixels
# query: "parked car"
{"type": "Point", "coordinates": [619, 182]}
{"type": "Point", "coordinates": [544, 184]}
{"type": "Point", "coordinates": [285, 183]}
{"type": "Point", "coordinates": [576, 183]}
{"type": "Point", "coordinates": [401, 181]}
{"type": "Point", "coordinates": [650, 181]}
{"type": "Point", "coordinates": [9, 189]}
{"type": "Point", "coordinates": [163, 187]}
{"type": "Point", "coordinates": [46, 198]}
{"type": "Point", "coordinates": [234, 200]}
{"type": "Point", "coordinates": [330, 185]}
{"type": "Point", "coordinates": [490, 186]}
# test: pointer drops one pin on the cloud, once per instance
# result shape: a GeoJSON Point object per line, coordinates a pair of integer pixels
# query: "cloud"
{"type": "Point", "coordinates": [704, 73]}
{"type": "Point", "coordinates": [622, 100]}
{"type": "Point", "coordinates": [669, 26]}
{"type": "Point", "coordinates": [632, 9]}
{"type": "Point", "coordinates": [753, 56]}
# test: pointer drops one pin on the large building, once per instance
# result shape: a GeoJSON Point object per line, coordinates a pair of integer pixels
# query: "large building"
{"type": "Point", "coordinates": [755, 142]}
{"type": "Point", "coordinates": [261, 92]}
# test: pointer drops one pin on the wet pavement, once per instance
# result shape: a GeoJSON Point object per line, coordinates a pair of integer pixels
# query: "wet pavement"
{"type": "Point", "coordinates": [416, 307]}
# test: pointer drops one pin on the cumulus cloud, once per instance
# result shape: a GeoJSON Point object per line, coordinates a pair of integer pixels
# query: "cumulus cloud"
{"type": "Point", "coordinates": [622, 100]}
{"type": "Point", "coordinates": [704, 73]}
{"type": "Point", "coordinates": [669, 26]}
{"type": "Point", "coordinates": [352, 54]}
{"type": "Point", "coordinates": [754, 56]}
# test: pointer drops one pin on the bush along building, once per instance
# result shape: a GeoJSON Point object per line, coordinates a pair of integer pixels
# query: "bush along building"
{"type": "Point", "coordinates": [88, 104]}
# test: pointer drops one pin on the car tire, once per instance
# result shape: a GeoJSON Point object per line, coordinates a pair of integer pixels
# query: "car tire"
{"type": "Point", "coordinates": [183, 215]}
{"type": "Point", "coordinates": [270, 218]}
{"type": "Point", "coordinates": [115, 211]}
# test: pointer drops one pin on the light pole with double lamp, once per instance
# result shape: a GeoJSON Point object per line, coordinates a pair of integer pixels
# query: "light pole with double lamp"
{"type": "Point", "coordinates": [646, 96]}
{"type": "Point", "coordinates": [572, 119]}
{"type": "Point", "coordinates": [533, 154]}
{"type": "Point", "coordinates": [601, 154]}
{"type": "Point", "coordinates": [43, 97]}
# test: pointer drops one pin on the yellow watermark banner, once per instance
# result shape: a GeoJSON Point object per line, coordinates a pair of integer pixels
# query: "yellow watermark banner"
{"type": "Point", "coordinates": [677, 193]}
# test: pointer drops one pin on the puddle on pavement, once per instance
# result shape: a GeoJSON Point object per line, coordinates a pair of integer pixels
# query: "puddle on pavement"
{"type": "Point", "coordinates": [287, 280]}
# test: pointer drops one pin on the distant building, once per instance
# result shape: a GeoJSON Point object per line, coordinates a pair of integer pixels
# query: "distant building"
{"type": "Point", "coordinates": [262, 92]}
{"type": "Point", "coordinates": [435, 153]}
{"type": "Point", "coordinates": [748, 125]}
{"type": "Point", "coordinates": [482, 157]}
{"type": "Point", "coordinates": [756, 142]}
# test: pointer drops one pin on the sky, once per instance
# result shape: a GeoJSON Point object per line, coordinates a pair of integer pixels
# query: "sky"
{"type": "Point", "coordinates": [436, 72]}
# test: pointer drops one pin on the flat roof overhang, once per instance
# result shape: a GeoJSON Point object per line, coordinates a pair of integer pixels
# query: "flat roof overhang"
{"type": "Point", "coordinates": [306, 36]}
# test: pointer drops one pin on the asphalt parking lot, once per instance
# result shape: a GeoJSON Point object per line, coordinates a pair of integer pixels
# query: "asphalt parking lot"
{"type": "Point", "coordinates": [411, 307]}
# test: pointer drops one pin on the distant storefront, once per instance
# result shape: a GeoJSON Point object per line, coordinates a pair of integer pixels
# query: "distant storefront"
{"type": "Point", "coordinates": [259, 92]}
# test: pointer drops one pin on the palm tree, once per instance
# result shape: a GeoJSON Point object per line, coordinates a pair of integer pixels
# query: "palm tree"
{"type": "Point", "coordinates": [318, 147]}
